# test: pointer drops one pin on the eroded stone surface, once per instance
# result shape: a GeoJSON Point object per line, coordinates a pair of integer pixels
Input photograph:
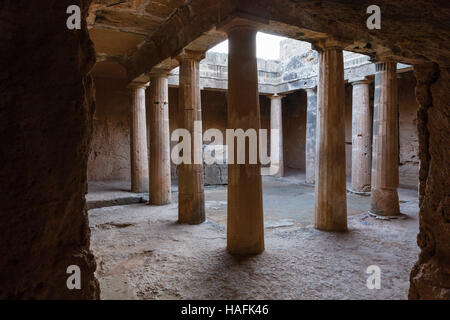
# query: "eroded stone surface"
{"type": "Point", "coordinates": [45, 128]}
{"type": "Point", "coordinates": [430, 277]}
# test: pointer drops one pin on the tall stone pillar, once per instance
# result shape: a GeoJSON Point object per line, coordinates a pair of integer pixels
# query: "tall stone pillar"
{"type": "Point", "coordinates": [276, 139]}
{"type": "Point", "coordinates": [245, 232]}
{"type": "Point", "coordinates": [361, 137]}
{"type": "Point", "coordinates": [330, 192]}
{"type": "Point", "coordinates": [159, 138]}
{"type": "Point", "coordinates": [311, 122]}
{"type": "Point", "coordinates": [138, 138]}
{"type": "Point", "coordinates": [384, 196]}
{"type": "Point", "coordinates": [191, 196]}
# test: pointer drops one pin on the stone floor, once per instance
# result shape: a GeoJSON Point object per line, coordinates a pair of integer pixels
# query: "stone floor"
{"type": "Point", "coordinates": [112, 193]}
{"type": "Point", "coordinates": [143, 253]}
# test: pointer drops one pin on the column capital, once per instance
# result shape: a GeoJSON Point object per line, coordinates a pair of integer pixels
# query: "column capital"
{"type": "Point", "coordinates": [359, 81]}
{"type": "Point", "coordinates": [311, 90]}
{"type": "Point", "coordinates": [327, 44]}
{"type": "Point", "coordinates": [385, 65]}
{"type": "Point", "coordinates": [381, 63]}
{"type": "Point", "coordinates": [382, 59]}
{"type": "Point", "coordinates": [138, 85]}
{"type": "Point", "coordinates": [276, 96]}
{"type": "Point", "coordinates": [159, 72]}
{"type": "Point", "coordinates": [187, 54]}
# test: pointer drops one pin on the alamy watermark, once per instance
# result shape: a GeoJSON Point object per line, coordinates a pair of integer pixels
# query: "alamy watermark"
{"type": "Point", "coordinates": [74, 20]}
{"type": "Point", "coordinates": [374, 280]}
{"type": "Point", "coordinates": [74, 280]}
{"type": "Point", "coordinates": [242, 147]}
{"type": "Point", "coordinates": [374, 21]}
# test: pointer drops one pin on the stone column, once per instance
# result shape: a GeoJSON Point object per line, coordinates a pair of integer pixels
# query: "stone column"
{"type": "Point", "coordinates": [311, 122]}
{"type": "Point", "coordinates": [159, 138]}
{"type": "Point", "coordinates": [330, 192]}
{"type": "Point", "coordinates": [245, 232]}
{"type": "Point", "coordinates": [191, 197]}
{"type": "Point", "coordinates": [276, 139]}
{"type": "Point", "coordinates": [361, 137]}
{"type": "Point", "coordinates": [384, 196]}
{"type": "Point", "coordinates": [138, 138]}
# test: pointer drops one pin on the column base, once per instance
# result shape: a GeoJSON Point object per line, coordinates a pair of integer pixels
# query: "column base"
{"type": "Point", "coordinates": [192, 223]}
{"type": "Point", "coordinates": [380, 217]}
{"type": "Point", "coordinates": [159, 203]}
{"type": "Point", "coordinates": [359, 193]}
{"type": "Point", "coordinates": [384, 202]}
{"type": "Point", "coordinates": [336, 228]}
{"type": "Point", "coordinates": [276, 171]}
{"type": "Point", "coordinates": [141, 187]}
{"type": "Point", "coordinates": [245, 251]}
{"type": "Point", "coordinates": [139, 190]}
{"type": "Point", "coordinates": [190, 211]}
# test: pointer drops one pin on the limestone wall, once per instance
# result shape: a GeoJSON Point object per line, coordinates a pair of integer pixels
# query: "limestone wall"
{"type": "Point", "coordinates": [296, 69]}
{"type": "Point", "coordinates": [109, 158]}
{"type": "Point", "coordinates": [214, 73]}
{"type": "Point", "coordinates": [348, 130]}
{"type": "Point", "coordinates": [45, 128]}
{"type": "Point", "coordinates": [110, 149]}
{"type": "Point", "coordinates": [430, 276]}
{"type": "Point", "coordinates": [290, 48]}
{"type": "Point", "coordinates": [408, 135]}
{"type": "Point", "coordinates": [294, 130]}
{"type": "Point", "coordinates": [214, 116]}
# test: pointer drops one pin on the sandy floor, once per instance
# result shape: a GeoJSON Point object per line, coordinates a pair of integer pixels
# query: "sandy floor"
{"type": "Point", "coordinates": [143, 253]}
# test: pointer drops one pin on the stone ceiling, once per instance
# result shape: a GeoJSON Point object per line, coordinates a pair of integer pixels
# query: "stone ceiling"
{"type": "Point", "coordinates": [141, 34]}
{"type": "Point", "coordinates": [117, 27]}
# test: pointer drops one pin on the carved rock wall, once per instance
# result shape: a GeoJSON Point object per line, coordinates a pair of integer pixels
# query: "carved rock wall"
{"type": "Point", "coordinates": [294, 130]}
{"type": "Point", "coordinates": [109, 158]}
{"type": "Point", "coordinates": [430, 277]}
{"type": "Point", "coordinates": [408, 136]}
{"type": "Point", "coordinates": [45, 128]}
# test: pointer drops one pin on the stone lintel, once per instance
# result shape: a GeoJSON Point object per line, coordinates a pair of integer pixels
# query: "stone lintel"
{"type": "Point", "coordinates": [382, 59]}
{"type": "Point", "coordinates": [138, 85]}
{"type": "Point", "coordinates": [327, 43]}
{"type": "Point", "coordinates": [159, 72]}
{"type": "Point", "coordinates": [187, 54]}
{"type": "Point", "coordinates": [381, 63]}
{"type": "Point", "coordinates": [356, 81]}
